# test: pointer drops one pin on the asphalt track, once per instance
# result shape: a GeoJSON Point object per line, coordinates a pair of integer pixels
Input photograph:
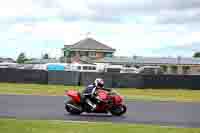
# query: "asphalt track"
{"type": "Point", "coordinates": [52, 108]}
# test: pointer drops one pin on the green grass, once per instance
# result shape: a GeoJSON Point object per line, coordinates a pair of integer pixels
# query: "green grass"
{"type": "Point", "coordinates": [35, 89]}
{"type": "Point", "coordinates": [42, 126]}
{"type": "Point", "coordinates": [129, 93]}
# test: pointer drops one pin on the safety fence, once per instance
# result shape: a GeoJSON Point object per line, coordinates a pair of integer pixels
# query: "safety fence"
{"type": "Point", "coordinates": [112, 79]}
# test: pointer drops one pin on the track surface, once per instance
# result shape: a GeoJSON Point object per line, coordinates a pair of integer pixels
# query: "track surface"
{"type": "Point", "coordinates": [48, 107]}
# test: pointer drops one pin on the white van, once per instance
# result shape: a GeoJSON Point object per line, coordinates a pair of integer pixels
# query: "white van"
{"type": "Point", "coordinates": [129, 70]}
{"type": "Point", "coordinates": [84, 67]}
{"type": "Point", "coordinates": [8, 65]}
{"type": "Point", "coordinates": [113, 68]}
{"type": "Point", "coordinates": [150, 70]}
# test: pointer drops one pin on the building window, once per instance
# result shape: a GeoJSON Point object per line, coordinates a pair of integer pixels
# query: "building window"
{"type": "Point", "coordinates": [108, 54]}
{"type": "Point", "coordinates": [66, 52]}
{"type": "Point", "coordinates": [86, 53]}
{"type": "Point", "coordinates": [83, 53]}
{"type": "Point", "coordinates": [186, 69]}
{"type": "Point", "coordinates": [89, 68]}
{"type": "Point", "coordinates": [92, 54]}
{"type": "Point", "coordinates": [174, 69]}
{"type": "Point", "coordinates": [79, 67]}
{"type": "Point", "coordinates": [85, 68]}
{"type": "Point", "coordinates": [72, 54]}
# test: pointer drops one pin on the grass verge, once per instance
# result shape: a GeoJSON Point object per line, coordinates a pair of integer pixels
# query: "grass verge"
{"type": "Point", "coordinates": [43, 126]}
{"type": "Point", "coordinates": [178, 95]}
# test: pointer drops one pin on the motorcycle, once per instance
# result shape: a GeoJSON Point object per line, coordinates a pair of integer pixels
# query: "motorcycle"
{"type": "Point", "coordinates": [106, 102]}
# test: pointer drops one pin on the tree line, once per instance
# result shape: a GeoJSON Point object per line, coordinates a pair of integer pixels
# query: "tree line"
{"type": "Point", "coordinates": [22, 58]}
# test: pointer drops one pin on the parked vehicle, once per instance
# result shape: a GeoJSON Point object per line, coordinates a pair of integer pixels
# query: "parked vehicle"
{"type": "Point", "coordinates": [113, 68]}
{"type": "Point", "coordinates": [150, 70]}
{"type": "Point", "coordinates": [8, 65]}
{"type": "Point", "coordinates": [129, 70]}
{"type": "Point", "coordinates": [84, 68]}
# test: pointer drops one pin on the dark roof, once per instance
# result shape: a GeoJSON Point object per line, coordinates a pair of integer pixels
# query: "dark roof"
{"type": "Point", "coordinates": [68, 46]}
{"type": "Point", "coordinates": [89, 44]}
{"type": "Point", "coordinates": [42, 61]}
{"type": "Point", "coordinates": [150, 60]}
{"type": "Point", "coordinates": [6, 60]}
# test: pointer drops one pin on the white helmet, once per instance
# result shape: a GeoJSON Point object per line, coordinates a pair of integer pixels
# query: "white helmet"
{"type": "Point", "coordinates": [99, 82]}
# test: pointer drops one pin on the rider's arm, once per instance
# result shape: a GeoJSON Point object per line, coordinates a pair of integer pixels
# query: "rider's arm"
{"type": "Point", "coordinates": [93, 91]}
{"type": "Point", "coordinates": [88, 90]}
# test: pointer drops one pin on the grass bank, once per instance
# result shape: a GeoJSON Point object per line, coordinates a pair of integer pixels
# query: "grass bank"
{"type": "Point", "coordinates": [43, 126]}
{"type": "Point", "coordinates": [130, 93]}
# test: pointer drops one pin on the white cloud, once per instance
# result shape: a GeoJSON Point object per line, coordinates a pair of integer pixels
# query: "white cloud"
{"type": "Point", "coordinates": [55, 30]}
{"type": "Point", "coordinates": [15, 8]}
{"type": "Point", "coordinates": [129, 26]}
{"type": "Point", "coordinates": [127, 38]}
{"type": "Point", "coordinates": [23, 28]}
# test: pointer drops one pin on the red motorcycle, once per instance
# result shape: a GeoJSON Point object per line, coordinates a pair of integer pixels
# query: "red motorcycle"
{"type": "Point", "coordinates": [106, 102]}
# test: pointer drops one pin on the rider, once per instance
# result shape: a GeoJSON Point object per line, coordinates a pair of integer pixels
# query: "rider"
{"type": "Point", "coordinates": [89, 92]}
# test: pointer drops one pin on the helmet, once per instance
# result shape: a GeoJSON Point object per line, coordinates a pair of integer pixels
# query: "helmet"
{"type": "Point", "coordinates": [99, 82]}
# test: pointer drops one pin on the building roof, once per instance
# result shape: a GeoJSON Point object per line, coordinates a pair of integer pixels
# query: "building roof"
{"type": "Point", "coordinates": [42, 61]}
{"type": "Point", "coordinates": [89, 44]}
{"type": "Point", "coordinates": [6, 60]}
{"type": "Point", "coordinates": [150, 60]}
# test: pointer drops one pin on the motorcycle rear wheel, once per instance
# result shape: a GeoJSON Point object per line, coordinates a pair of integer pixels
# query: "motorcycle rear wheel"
{"type": "Point", "coordinates": [118, 110]}
{"type": "Point", "coordinates": [71, 110]}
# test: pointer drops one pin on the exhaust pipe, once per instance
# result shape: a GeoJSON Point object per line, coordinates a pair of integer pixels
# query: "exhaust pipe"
{"type": "Point", "coordinates": [74, 107]}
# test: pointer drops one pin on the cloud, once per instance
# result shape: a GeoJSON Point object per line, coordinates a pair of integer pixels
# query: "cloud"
{"type": "Point", "coordinates": [186, 50]}
{"type": "Point", "coordinates": [132, 27]}
{"type": "Point", "coordinates": [128, 39]}
{"type": "Point", "coordinates": [189, 16]}
{"type": "Point", "coordinates": [142, 5]}
{"type": "Point", "coordinates": [170, 11]}
{"type": "Point", "coordinates": [31, 46]}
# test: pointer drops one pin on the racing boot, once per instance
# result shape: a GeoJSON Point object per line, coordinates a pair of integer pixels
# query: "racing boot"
{"type": "Point", "coordinates": [92, 105]}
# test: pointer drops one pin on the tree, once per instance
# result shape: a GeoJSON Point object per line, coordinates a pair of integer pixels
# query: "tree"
{"type": "Point", "coordinates": [45, 56]}
{"type": "Point", "coordinates": [21, 58]}
{"type": "Point", "coordinates": [174, 69]}
{"type": "Point", "coordinates": [164, 68]}
{"type": "Point", "coordinates": [196, 55]}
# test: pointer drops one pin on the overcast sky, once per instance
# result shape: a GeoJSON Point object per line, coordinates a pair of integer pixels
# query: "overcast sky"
{"type": "Point", "coordinates": [132, 27]}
